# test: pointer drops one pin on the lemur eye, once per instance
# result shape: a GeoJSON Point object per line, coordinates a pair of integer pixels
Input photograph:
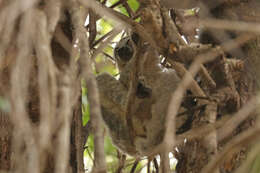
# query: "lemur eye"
{"type": "Point", "coordinates": [125, 53]}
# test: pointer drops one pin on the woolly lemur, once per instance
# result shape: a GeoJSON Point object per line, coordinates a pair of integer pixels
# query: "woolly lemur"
{"type": "Point", "coordinates": [153, 93]}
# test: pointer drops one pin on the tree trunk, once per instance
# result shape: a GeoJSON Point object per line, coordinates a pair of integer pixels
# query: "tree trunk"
{"type": "Point", "coordinates": [192, 155]}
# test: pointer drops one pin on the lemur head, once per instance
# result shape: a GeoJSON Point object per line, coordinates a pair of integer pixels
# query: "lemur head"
{"type": "Point", "coordinates": [124, 50]}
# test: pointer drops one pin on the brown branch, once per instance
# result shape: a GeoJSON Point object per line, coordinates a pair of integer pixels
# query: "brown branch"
{"type": "Point", "coordinates": [53, 10]}
{"type": "Point", "coordinates": [187, 53]}
{"type": "Point", "coordinates": [86, 130]}
{"type": "Point", "coordinates": [100, 48]}
{"type": "Point", "coordinates": [209, 117]}
{"type": "Point", "coordinates": [244, 139]}
{"type": "Point", "coordinates": [7, 23]}
{"type": "Point", "coordinates": [110, 57]}
{"type": "Point", "coordinates": [128, 9]}
{"type": "Point", "coordinates": [230, 25]}
{"type": "Point", "coordinates": [148, 166]}
{"type": "Point", "coordinates": [178, 95]}
{"type": "Point", "coordinates": [165, 162]}
{"type": "Point", "coordinates": [81, 133]}
{"type": "Point", "coordinates": [62, 39]}
{"type": "Point", "coordinates": [117, 3]}
{"type": "Point", "coordinates": [65, 109]}
{"type": "Point", "coordinates": [101, 39]}
{"type": "Point", "coordinates": [225, 126]}
{"type": "Point", "coordinates": [47, 84]}
{"type": "Point", "coordinates": [23, 130]}
{"type": "Point", "coordinates": [107, 13]}
{"type": "Point", "coordinates": [93, 95]}
{"type": "Point", "coordinates": [134, 166]}
{"type": "Point", "coordinates": [238, 118]}
{"type": "Point", "coordinates": [181, 71]}
{"type": "Point", "coordinates": [112, 7]}
{"type": "Point", "coordinates": [251, 157]}
{"type": "Point", "coordinates": [92, 27]}
{"type": "Point", "coordinates": [171, 30]}
{"type": "Point", "coordinates": [207, 78]}
{"type": "Point", "coordinates": [179, 4]}
{"type": "Point", "coordinates": [200, 132]}
{"type": "Point", "coordinates": [156, 165]}
{"type": "Point", "coordinates": [121, 164]}
{"type": "Point", "coordinates": [121, 21]}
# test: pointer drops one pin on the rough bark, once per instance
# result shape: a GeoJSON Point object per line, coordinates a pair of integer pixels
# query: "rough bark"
{"type": "Point", "coordinates": [8, 128]}
{"type": "Point", "coordinates": [193, 156]}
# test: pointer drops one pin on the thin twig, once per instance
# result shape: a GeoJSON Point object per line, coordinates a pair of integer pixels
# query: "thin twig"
{"type": "Point", "coordinates": [104, 44]}
{"type": "Point", "coordinates": [128, 9]}
{"type": "Point", "coordinates": [134, 166]}
{"type": "Point", "coordinates": [110, 57]}
{"type": "Point", "coordinates": [117, 3]}
{"type": "Point", "coordinates": [156, 165]}
{"type": "Point", "coordinates": [149, 166]}
{"type": "Point", "coordinates": [90, 155]}
{"type": "Point", "coordinates": [92, 27]}
{"type": "Point", "coordinates": [101, 39]}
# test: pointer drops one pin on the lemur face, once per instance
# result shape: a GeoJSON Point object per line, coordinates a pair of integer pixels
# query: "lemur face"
{"type": "Point", "coordinates": [124, 50]}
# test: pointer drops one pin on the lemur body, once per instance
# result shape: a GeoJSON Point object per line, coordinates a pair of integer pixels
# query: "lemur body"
{"type": "Point", "coordinates": [153, 93]}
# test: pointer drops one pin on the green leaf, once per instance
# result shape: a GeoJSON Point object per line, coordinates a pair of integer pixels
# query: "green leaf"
{"type": "Point", "coordinates": [109, 147]}
{"type": "Point", "coordinates": [110, 2]}
{"type": "Point", "coordinates": [90, 143]}
{"type": "Point", "coordinates": [122, 9]}
{"type": "Point", "coordinates": [103, 27]}
{"type": "Point", "coordinates": [134, 4]}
